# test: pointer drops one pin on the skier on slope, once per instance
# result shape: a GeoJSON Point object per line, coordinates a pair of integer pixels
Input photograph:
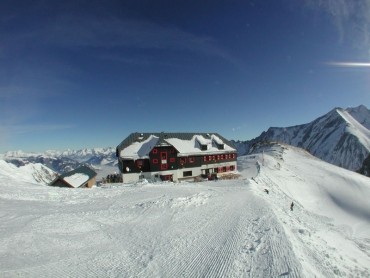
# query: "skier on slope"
{"type": "Point", "coordinates": [291, 206]}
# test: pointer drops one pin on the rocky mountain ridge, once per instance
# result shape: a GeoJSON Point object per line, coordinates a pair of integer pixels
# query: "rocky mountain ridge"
{"type": "Point", "coordinates": [340, 137]}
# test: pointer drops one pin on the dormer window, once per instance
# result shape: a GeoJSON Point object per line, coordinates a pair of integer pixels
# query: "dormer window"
{"type": "Point", "coordinates": [203, 147]}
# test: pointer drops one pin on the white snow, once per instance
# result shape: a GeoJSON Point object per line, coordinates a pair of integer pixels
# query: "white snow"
{"type": "Point", "coordinates": [34, 173]}
{"type": "Point", "coordinates": [356, 128]}
{"type": "Point", "coordinates": [207, 229]}
{"type": "Point", "coordinates": [192, 147]}
{"type": "Point", "coordinates": [140, 149]}
{"type": "Point", "coordinates": [76, 179]}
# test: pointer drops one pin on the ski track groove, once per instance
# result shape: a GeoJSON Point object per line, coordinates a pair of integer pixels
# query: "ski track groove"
{"type": "Point", "coordinates": [196, 249]}
{"type": "Point", "coordinates": [209, 250]}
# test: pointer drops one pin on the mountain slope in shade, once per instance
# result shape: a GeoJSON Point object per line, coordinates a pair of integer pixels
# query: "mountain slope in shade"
{"type": "Point", "coordinates": [340, 137]}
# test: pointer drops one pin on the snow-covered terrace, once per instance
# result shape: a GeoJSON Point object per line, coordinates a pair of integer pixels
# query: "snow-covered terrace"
{"type": "Point", "coordinates": [184, 147]}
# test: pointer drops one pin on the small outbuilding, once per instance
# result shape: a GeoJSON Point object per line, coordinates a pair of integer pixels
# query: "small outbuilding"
{"type": "Point", "coordinates": [83, 176]}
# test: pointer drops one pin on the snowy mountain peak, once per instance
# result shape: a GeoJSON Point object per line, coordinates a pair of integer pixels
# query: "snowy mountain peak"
{"type": "Point", "coordinates": [341, 137]}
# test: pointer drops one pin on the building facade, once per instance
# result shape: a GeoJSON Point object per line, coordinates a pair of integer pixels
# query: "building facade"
{"type": "Point", "coordinates": [174, 156]}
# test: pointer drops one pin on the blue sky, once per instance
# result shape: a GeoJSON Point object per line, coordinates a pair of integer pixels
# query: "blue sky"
{"type": "Point", "coordinates": [81, 74]}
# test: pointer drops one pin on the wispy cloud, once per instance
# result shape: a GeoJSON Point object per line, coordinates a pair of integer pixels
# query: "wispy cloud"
{"type": "Point", "coordinates": [89, 31]}
{"type": "Point", "coordinates": [110, 32]}
{"type": "Point", "coordinates": [350, 17]}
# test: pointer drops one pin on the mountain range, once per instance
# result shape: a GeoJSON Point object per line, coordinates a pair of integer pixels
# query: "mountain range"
{"type": "Point", "coordinates": [340, 137]}
{"type": "Point", "coordinates": [64, 161]}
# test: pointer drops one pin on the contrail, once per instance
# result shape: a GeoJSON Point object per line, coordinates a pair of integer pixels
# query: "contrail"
{"type": "Point", "coordinates": [348, 64]}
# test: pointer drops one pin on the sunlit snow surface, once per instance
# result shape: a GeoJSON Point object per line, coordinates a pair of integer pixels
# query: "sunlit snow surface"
{"type": "Point", "coordinates": [77, 179]}
{"type": "Point", "coordinates": [208, 229]}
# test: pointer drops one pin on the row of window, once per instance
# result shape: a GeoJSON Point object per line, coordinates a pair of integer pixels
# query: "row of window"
{"type": "Point", "coordinates": [164, 161]}
{"type": "Point", "coordinates": [207, 158]}
{"type": "Point", "coordinates": [219, 157]}
{"type": "Point", "coordinates": [223, 169]}
{"type": "Point", "coordinates": [155, 151]}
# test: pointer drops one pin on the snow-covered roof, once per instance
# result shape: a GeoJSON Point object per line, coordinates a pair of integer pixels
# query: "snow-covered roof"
{"type": "Point", "coordinates": [76, 180]}
{"type": "Point", "coordinates": [140, 149]}
{"type": "Point", "coordinates": [217, 139]}
{"type": "Point", "coordinates": [193, 146]}
{"type": "Point", "coordinates": [77, 177]}
{"type": "Point", "coordinates": [139, 145]}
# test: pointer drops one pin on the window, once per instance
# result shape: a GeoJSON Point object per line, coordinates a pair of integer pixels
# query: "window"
{"type": "Point", "coordinates": [155, 161]}
{"type": "Point", "coordinates": [191, 160]}
{"type": "Point", "coordinates": [182, 160]}
{"type": "Point", "coordinates": [172, 160]}
{"type": "Point", "coordinates": [222, 156]}
{"type": "Point", "coordinates": [139, 163]}
{"type": "Point", "coordinates": [187, 173]}
{"type": "Point", "coordinates": [155, 151]}
{"type": "Point", "coordinates": [205, 158]}
{"type": "Point", "coordinates": [232, 168]}
{"type": "Point", "coordinates": [203, 147]}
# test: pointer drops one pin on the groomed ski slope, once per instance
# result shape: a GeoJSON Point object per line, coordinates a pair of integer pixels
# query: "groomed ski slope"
{"type": "Point", "coordinates": [207, 229]}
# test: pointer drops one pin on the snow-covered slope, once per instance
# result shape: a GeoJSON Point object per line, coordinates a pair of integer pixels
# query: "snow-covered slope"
{"type": "Point", "coordinates": [340, 137]}
{"type": "Point", "coordinates": [32, 173]}
{"type": "Point", "coordinates": [208, 229]}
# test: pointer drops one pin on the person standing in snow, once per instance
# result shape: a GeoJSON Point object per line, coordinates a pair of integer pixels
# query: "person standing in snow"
{"type": "Point", "coordinates": [291, 206]}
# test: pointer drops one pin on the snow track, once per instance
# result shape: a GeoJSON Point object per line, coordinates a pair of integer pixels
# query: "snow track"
{"type": "Point", "coordinates": [212, 229]}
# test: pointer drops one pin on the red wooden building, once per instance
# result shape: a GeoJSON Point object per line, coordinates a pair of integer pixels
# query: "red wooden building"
{"type": "Point", "coordinates": [174, 156]}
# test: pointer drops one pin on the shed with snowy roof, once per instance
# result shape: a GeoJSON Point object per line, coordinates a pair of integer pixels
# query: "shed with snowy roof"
{"type": "Point", "coordinates": [82, 176]}
{"type": "Point", "coordinates": [174, 156]}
